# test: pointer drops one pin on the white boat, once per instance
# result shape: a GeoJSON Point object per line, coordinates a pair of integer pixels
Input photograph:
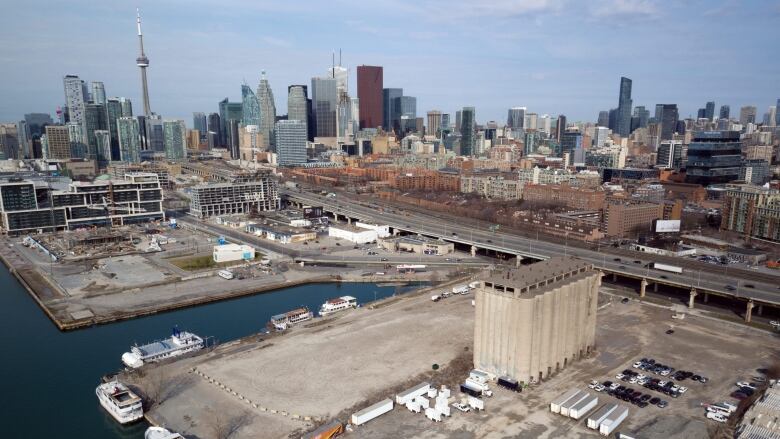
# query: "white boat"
{"type": "Point", "coordinates": [121, 403]}
{"type": "Point", "coordinates": [179, 343]}
{"type": "Point", "coordinates": [338, 304]}
{"type": "Point", "coordinates": [161, 433]}
{"type": "Point", "coordinates": [280, 322]}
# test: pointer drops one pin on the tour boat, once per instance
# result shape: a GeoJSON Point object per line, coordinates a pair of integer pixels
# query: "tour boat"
{"type": "Point", "coordinates": [161, 433]}
{"type": "Point", "coordinates": [280, 322]}
{"type": "Point", "coordinates": [338, 304]}
{"type": "Point", "coordinates": [179, 343]}
{"type": "Point", "coordinates": [120, 402]}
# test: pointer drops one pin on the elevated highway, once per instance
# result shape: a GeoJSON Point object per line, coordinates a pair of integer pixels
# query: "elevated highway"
{"type": "Point", "coordinates": [754, 290]}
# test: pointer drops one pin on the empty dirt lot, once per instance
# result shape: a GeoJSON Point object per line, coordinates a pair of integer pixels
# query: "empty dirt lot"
{"type": "Point", "coordinates": [331, 367]}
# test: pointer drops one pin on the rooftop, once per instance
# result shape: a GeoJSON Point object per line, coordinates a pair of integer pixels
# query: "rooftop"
{"type": "Point", "coordinates": [540, 277]}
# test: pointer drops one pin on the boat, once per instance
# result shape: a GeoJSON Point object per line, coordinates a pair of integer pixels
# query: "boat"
{"type": "Point", "coordinates": [337, 304]}
{"type": "Point", "coordinates": [179, 343]}
{"type": "Point", "coordinates": [120, 402]}
{"type": "Point", "coordinates": [280, 322]}
{"type": "Point", "coordinates": [161, 433]}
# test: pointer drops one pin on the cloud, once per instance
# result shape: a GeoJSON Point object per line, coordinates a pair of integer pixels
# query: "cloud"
{"type": "Point", "coordinates": [624, 9]}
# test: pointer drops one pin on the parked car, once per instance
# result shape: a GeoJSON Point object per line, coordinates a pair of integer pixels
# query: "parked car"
{"type": "Point", "coordinates": [462, 407]}
{"type": "Point", "coordinates": [662, 404]}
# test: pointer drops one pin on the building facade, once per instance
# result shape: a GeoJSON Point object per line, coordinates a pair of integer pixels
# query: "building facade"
{"type": "Point", "coordinates": [534, 320]}
{"type": "Point", "coordinates": [265, 97]}
{"type": "Point", "coordinates": [246, 194]}
{"type": "Point", "coordinates": [752, 211]}
{"type": "Point", "coordinates": [369, 90]}
{"type": "Point", "coordinates": [714, 157]}
{"type": "Point", "coordinates": [290, 142]}
{"type": "Point", "coordinates": [324, 103]}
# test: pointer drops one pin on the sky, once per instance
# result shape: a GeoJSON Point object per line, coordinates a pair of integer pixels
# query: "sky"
{"type": "Point", "coordinates": [551, 56]}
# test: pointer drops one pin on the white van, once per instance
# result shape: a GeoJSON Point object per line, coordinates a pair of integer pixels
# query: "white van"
{"type": "Point", "coordinates": [226, 274]}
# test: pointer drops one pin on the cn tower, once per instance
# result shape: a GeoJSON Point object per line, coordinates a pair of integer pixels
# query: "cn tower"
{"type": "Point", "coordinates": [143, 62]}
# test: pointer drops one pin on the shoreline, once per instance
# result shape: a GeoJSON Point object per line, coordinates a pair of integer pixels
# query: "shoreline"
{"type": "Point", "coordinates": [66, 326]}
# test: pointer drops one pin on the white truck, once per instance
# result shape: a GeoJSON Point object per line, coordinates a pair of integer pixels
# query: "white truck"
{"type": "Point", "coordinates": [666, 267]}
{"type": "Point", "coordinates": [460, 289]}
{"type": "Point", "coordinates": [369, 413]}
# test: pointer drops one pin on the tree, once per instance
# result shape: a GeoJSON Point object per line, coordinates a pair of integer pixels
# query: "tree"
{"type": "Point", "coordinates": [222, 425]}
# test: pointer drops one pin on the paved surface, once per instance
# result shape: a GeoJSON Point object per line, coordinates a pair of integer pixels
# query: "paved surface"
{"type": "Point", "coordinates": [703, 278]}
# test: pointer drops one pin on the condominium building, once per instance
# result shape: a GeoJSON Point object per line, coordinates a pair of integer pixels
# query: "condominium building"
{"type": "Point", "coordinates": [246, 194]}
{"type": "Point", "coordinates": [30, 206]}
{"type": "Point", "coordinates": [493, 187]}
{"type": "Point", "coordinates": [753, 211]}
{"type": "Point", "coordinates": [534, 320]}
{"type": "Point", "coordinates": [624, 218]}
{"type": "Point", "coordinates": [565, 195]}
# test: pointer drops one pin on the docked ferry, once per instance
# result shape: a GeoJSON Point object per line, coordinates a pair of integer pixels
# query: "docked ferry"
{"type": "Point", "coordinates": [179, 343]}
{"type": "Point", "coordinates": [161, 433]}
{"type": "Point", "coordinates": [280, 322]}
{"type": "Point", "coordinates": [338, 304]}
{"type": "Point", "coordinates": [120, 402]}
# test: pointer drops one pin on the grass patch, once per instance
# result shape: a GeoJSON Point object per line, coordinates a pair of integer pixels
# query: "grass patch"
{"type": "Point", "coordinates": [203, 262]}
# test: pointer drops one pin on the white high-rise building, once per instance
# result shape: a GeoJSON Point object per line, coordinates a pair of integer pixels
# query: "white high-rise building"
{"type": "Point", "coordinates": [76, 96]}
{"type": "Point", "coordinates": [98, 93]}
{"type": "Point", "coordinates": [297, 106]}
{"type": "Point", "coordinates": [600, 136]}
{"type": "Point", "coordinates": [290, 142]}
{"type": "Point", "coordinates": [265, 96]}
{"type": "Point", "coordinates": [174, 139]}
{"type": "Point", "coordinates": [341, 75]}
{"type": "Point", "coordinates": [545, 123]}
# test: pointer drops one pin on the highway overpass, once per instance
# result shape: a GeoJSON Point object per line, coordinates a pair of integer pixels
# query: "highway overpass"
{"type": "Point", "coordinates": [753, 289]}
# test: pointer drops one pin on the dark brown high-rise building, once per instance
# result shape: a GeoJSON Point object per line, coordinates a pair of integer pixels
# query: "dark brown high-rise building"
{"type": "Point", "coordinates": [369, 89]}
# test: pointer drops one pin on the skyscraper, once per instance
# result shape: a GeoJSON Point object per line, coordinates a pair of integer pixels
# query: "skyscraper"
{"type": "Point", "coordinates": [129, 139]}
{"type": "Point", "coordinates": [250, 107]}
{"type": "Point", "coordinates": [603, 119]}
{"type": "Point", "coordinates": [113, 112]}
{"type": "Point", "coordinates": [291, 142]}
{"type": "Point", "coordinates": [406, 108]}
{"type": "Point", "coordinates": [369, 90]}
{"type": "Point", "coordinates": [516, 117]}
{"type": "Point", "coordinates": [747, 114]}
{"type": "Point", "coordinates": [174, 136]}
{"type": "Point", "coordinates": [709, 110]}
{"type": "Point", "coordinates": [58, 141]}
{"type": "Point", "coordinates": [155, 134]}
{"type": "Point", "coordinates": [228, 111]}
{"type": "Point", "coordinates": [624, 108]}
{"type": "Point", "coordinates": [75, 98]}
{"type": "Point", "coordinates": [102, 147]}
{"type": "Point", "coordinates": [324, 102]}
{"type": "Point", "coordinates": [667, 115]}
{"type": "Point", "coordinates": [467, 125]}
{"type": "Point", "coordinates": [434, 123]}
{"type": "Point", "coordinates": [98, 93]}
{"type": "Point", "coordinates": [339, 73]}
{"type": "Point", "coordinates": [445, 122]}
{"type": "Point", "coordinates": [200, 123]}
{"type": "Point", "coordinates": [777, 113]}
{"type": "Point", "coordinates": [9, 141]}
{"type": "Point", "coordinates": [94, 119]}
{"type": "Point", "coordinates": [389, 111]}
{"type": "Point", "coordinates": [297, 106]}
{"type": "Point", "coordinates": [37, 122]}
{"type": "Point", "coordinates": [714, 157]}
{"type": "Point", "coordinates": [143, 62]}
{"type": "Point", "coordinates": [669, 154]}
{"type": "Point", "coordinates": [265, 96]}
{"type": "Point", "coordinates": [127, 107]}
{"type": "Point", "coordinates": [560, 127]}
{"type": "Point", "coordinates": [214, 131]}
{"type": "Point", "coordinates": [78, 146]}
{"type": "Point", "coordinates": [643, 116]}
{"type": "Point", "coordinates": [725, 111]}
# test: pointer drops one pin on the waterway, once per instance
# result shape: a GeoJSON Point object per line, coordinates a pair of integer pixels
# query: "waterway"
{"type": "Point", "coordinates": [49, 377]}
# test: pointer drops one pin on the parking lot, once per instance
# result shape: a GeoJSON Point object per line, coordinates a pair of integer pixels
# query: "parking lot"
{"type": "Point", "coordinates": [723, 353]}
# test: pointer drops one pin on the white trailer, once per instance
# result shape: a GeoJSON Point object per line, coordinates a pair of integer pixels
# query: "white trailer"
{"type": "Point", "coordinates": [478, 376]}
{"type": "Point", "coordinates": [444, 392]}
{"type": "Point", "coordinates": [595, 419]}
{"type": "Point", "coordinates": [433, 415]}
{"type": "Point", "coordinates": [444, 410]}
{"type": "Point", "coordinates": [555, 405]}
{"type": "Point", "coordinates": [460, 289]}
{"type": "Point", "coordinates": [413, 406]}
{"type": "Point", "coordinates": [432, 392]}
{"type": "Point", "coordinates": [611, 422]}
{"type": "Point", "coordinates": [423, 401]}
{"type": "Point", "coordinates": [666, 267]}
{"type": "Point", "coordinates": [584, 406]}
{"type": "Point", "coordinates": [476, 403]}
{"type": "Point", "coordinates": [409, 394]}
{"type": "Point", "coordinates": [567, 406]}
{"type": "Point", "coordinates": [369, 413]}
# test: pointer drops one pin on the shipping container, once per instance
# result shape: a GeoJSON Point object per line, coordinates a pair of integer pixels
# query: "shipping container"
{"type": "Point", "coordinates": [567, 406]}
{"type": "Point", "coordinates": [584, 406]}
{"type": "Point", "coordinates": [665, 267]}
{"type": "Point", "coordinates": [327, 431]}
{"type": "Point", "coordinates": [476, 403]}
{"type": "Point", "coordinates": [409, 394]}
{"type": "Point", "coordinates": [433, 415]}
{"type": "Point", "coordinates": [595, 419]}
{"type": "Point", "coordinates": [464, 388]}
{"type": "Point", "coordinates": [478, 376]}
{"type": "Point", "coordinates": [555, 405]}
{"type": "Point", "coordinates": [369, 413]}
{"type": "Point", "coordinates": [509, 383]}
{"type": "Point", "coordinates": [611, 422]}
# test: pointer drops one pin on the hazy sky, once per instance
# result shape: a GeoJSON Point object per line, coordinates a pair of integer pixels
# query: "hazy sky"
{"type": "Point", "coordinates": [552, 56]}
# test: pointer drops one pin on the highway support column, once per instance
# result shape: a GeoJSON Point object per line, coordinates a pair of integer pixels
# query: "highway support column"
{"type": "Point", "coordinates": [473, 251]}
{"type": "Point", "coordinates": [749, 311]}
{"type": "Point", "coordinates": [655, 287]}
{"type": "Point", "coordinates": [642, 288]}
{"type": "Point", "coordinates": [692, 298]}
{"type": "Point", "coordinates": [518, 261]}
{"type": "Point", "coordinates": [706, 297]}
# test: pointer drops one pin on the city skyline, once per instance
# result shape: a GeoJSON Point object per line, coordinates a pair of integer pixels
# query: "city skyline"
{"type": "Point", "coordinates": [182, 83]}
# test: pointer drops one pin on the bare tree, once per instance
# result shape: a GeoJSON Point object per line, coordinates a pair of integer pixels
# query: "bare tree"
{"type": "Point", "coordinates": [224, 426]}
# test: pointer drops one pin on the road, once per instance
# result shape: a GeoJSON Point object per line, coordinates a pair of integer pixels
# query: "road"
{"type": "Point", "coordinates": [733, 283]}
